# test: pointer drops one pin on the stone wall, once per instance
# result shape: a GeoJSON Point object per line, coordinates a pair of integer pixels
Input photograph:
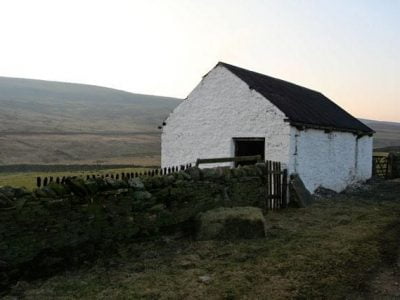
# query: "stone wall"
{"type": "Point", "coordinates": [59, 225]}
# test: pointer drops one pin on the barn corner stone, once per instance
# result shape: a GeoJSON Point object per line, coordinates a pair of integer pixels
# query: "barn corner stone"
{"type": "Point", "coordinates": [299, 194]}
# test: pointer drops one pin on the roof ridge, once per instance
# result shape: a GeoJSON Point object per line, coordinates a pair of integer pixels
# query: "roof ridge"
{"type": "Point", "coordinates": [268, 76]}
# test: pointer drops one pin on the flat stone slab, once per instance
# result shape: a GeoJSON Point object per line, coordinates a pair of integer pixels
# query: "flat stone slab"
{"type": "Point", "coordinates": [231, 223]}
{"type": "Point", "coordinates": [299, 194]}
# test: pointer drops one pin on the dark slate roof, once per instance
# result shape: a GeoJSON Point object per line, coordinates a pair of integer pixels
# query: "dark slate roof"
{"type": "Point", "coordinates": [302, 106]}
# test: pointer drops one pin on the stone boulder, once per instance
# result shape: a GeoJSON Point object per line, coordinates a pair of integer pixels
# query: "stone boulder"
{"type": "Point", "coordinates": [230, 223]}
{"type": "Point", "coordinates": [141, 195]}
{"type": "Point", "coordinates": [54, 189]}
{"type": "Point", "coordinates": [113, 184]}
{"type": "Point", "coordinates": [194, 173]}
{"type": "Point", "coordinates": [6, 196]}
{"type": "Point", "coordinates": [7, 192]}
{"type": "Point", "coordinates": [9, 195]}
{"type": "Point", "coordinates": [77, 186]}
{"type": "Point", "coordinates": [299, 195]}
{"type": "Point", "coordinates": [136, 183]}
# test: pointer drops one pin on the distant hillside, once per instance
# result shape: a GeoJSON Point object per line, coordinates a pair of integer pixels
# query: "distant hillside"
{"type": "Point", "coordinates": [56, 122]}
{"type": "Point", "coordinates": [44, 122]}
{"type": "Point", "coordinates": [387, 133]}
{"type": "Point", "coordinates": [45, 106]}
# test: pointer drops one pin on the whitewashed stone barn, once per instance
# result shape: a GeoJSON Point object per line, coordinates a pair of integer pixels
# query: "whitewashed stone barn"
{"type": "Point", "coordinates": [236, 112]}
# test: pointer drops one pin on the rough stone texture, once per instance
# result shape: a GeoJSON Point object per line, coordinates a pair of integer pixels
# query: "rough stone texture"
{"type": "Point", "coordinates": [231, 223]}
{"type": "Point", "coordinates": [324, 193]}
{"type": "Point", "coordinates": [223, 107]}
{"type": "Point", "coordinates": [194, 173]}
{"type": "Point", "coordinates": [58, 225]}
{"type": "Point", "coordinates": [13, 197]}
{"type": "Point", "coordinates": [136, 183]}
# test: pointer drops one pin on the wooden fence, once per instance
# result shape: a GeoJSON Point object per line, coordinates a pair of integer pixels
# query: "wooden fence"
{"type": "Point", "coordinates": [386, 165]}
{"type": "Point", "coordinates": [44, 181]}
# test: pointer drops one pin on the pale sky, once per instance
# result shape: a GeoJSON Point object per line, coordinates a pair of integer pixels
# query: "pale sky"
{"type": "Point", "coordinates": [349, 50]}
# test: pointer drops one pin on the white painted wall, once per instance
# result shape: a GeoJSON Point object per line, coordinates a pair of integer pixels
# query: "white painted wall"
{"type": "Point", "coordinates": [222, 107]}
{"type": "Point", "coordinates": [364, 164]}
{"type": "Point", "coordinates": [332, 160]}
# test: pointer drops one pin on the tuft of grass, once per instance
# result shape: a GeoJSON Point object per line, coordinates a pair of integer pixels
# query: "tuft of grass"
{"type": "Point", "coordinates": [329, 250]}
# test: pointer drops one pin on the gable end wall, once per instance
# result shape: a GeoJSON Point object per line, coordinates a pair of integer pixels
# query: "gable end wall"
{"type": "Point", "coordinates": [220, 108]}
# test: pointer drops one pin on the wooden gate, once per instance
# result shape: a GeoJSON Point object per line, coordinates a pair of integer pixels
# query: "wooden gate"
{"type": "Point", "coordinates": [386, 165]}
{"type": "Point", "coordinates": [277, 186]}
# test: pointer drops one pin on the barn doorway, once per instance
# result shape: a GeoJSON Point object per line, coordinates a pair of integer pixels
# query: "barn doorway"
{"type": "Point", "coordinates": [247, 147]}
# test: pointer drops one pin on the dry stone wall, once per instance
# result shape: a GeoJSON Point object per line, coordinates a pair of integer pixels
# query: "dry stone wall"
{"type": "Point", "coordinates": [59, 225]}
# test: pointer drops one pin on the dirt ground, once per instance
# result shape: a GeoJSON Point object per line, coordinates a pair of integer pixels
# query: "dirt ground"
{"type": "Point", "coordinates": [385, 283]}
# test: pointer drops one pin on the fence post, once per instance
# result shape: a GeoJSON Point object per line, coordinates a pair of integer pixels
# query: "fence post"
{"type": "Point", "coordinates": [279, 183]}
{"type": "Point", "coordinates": [38, 182]}
{"type": "Point", "coordinates": [389, 166]}
{"type": "Point", "coordinates": [373, 165]}
{"type": "Point", "coordinates": [285, 191]}
{"type": "Point", "coordinates": [271, 202]}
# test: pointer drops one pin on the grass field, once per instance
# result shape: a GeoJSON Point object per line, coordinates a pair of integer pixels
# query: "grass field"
{"type": "Point", "coordinates": [330, 250]}
{"type": "Point", "coordinates": [28, 179]}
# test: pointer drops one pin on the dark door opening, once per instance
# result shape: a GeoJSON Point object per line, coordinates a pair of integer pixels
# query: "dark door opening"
{"type": "Point", "coordinates": [247, 147]}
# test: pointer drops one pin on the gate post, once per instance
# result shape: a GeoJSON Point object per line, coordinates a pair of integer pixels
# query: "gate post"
{"type": "Point", "coordinates": [285, 191]}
